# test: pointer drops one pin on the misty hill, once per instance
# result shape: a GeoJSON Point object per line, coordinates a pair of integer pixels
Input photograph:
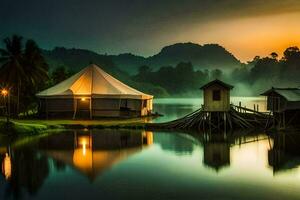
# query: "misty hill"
{"type": "Point", "coordinates": [208, 56]}
{"type": "Point", "coordinates": [128, 62]}
{"type": "Point", "coordinates": [77, 59]}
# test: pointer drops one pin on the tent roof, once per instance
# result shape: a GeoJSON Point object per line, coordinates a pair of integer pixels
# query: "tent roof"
{"type": "Point", "coordinates": [93, 81]}
{"type": "Point", "coordinates": [217, 82]}
{"type": "Point", "coordinates": [290, 94]}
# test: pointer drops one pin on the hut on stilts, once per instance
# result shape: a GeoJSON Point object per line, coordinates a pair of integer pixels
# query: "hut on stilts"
{"type": "Point", "coordinates": [218, 113]}
{"type": "Point", "coordinates": [284, 103]}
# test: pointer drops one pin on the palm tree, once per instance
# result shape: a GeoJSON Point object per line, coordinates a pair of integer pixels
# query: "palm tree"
{"type": "Point", "coordinates": [35, 65]}
{"type": "Point", "coordinates": [60, 74]}
{"type": "Point", "coordinates": [36, 70]}
{"type": "Point", "coordinates": [23, 69]}
{"type": "Point", "coordinates": [12, 71]}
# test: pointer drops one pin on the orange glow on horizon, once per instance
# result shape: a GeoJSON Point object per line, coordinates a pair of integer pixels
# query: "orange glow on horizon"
{"type": "Point", "coordinates": [247, 37]}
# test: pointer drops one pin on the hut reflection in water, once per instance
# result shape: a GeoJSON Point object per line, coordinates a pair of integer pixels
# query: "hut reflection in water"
{"type": "Point", "coordinates": [284, 154]}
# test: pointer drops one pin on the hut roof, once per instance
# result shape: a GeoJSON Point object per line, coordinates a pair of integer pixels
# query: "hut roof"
{"type": "Point", "coordinates": [217, 82]}
{"type": "Point", "coordinates": [290, 94]}
{"type": "Point", "coordinates": [93, 81]}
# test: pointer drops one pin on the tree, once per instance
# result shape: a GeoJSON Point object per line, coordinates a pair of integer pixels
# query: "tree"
{"type": "Point", "coordinates": [265, 69]}
{"type": "Point", "coordinates": [35, 65]}
{"type": "Point", "coordinates": [12, 72]}
{"type": "Point", "coordinates": [290, 63]}
{"type": "Point", "coordinates": [59, 74]}
{"type": "Point", "coordinates": [216, 74]}
{"type": "Point", "coordinates": [144, 69]}
{"type": "Point", "coordinates": [274, 55]}
{"type": "Point", "coordinates": [36, 77]}
{"type": "Point", "coordinates": [291, 54]}
{"type": "Point", "coordinates": [24, 70]}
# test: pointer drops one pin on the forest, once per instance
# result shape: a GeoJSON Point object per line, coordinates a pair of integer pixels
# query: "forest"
{"type": "Point", "coordinates": [250, 79]}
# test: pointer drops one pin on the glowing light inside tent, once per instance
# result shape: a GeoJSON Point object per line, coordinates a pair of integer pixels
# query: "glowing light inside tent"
{"type": "Point", "coordinates": [83, 99]}
{"type": "Point", "coordinates": [6, 167]}
{"type": "Point", "coordinates": [4, 92]}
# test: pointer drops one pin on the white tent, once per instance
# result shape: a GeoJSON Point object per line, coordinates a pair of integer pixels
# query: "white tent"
{"type": "Point", "coordinates": [93, 81]}
{"type": "Point", "coordinates": [96, 86]}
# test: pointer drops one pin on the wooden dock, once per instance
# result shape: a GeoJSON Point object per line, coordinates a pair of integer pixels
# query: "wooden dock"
{"type": "Point", "coordinates": [236, 118]}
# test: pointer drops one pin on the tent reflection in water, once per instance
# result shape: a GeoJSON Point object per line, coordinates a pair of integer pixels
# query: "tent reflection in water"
{"type": "Point", "coordinates": [94, 93]}
{"type": "Point", "coordinates": [91, 153]}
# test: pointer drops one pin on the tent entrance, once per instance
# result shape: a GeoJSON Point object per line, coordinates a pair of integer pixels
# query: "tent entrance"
{"type": "Point", "coordinates": [82, 108]}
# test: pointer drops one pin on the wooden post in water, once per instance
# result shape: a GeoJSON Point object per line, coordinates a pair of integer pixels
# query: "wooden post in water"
{"type": "Point", "coordinates": [46, 109]}
{"type": "Point", "coordinates": [257, 108]}
{"type": "Point", "coordinates": [283, 119]}
{"type": "Point", "coordinates": [209, 121]}
{"type": "Point", "coordinates": [218, 120]}
{"type": "Point", "coordinates": [224, 116]}
{"type": "Point", "coordinates": [240, 105]}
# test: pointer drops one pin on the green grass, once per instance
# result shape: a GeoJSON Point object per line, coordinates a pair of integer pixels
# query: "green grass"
{"type": "Point", "coordinates": [14, 127]}
{"type": "Point", "coordinates": [34, 126]}
{"type": "Point", "coordinates": [57, 122]}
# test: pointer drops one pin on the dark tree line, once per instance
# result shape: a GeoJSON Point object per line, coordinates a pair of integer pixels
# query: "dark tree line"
{"type": "Point", "coordinates": [179, 80]}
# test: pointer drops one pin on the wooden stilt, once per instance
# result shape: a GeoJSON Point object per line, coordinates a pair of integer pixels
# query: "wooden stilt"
{"type": "Point", "coordinates": [75, 108]}
{"type": "Point", "coordinates": [202, 120]}
{"type": "Point", "coordinates": [91, 110]}
{"type": "Point", "coordinates": [225, 122]}
{"type": "Point", "coordinates": [209, 121]}
{"type": "Point", "coordinates": [283, 119]}
{"type": "Point", "coordinates": [46, 109]}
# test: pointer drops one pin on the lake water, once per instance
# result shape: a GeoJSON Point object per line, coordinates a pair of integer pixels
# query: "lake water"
{"type": "Point", "coordinates": [137, 164]}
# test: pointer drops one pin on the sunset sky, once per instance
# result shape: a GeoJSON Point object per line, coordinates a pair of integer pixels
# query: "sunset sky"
{"type": "Point", "coordinates": [245, 28]}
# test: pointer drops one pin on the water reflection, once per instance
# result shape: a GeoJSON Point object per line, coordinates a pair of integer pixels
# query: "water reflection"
{"type": "Point", "coordinates": [24, 168]}
{"type": "Point", "coordinates": [177, 143]}
{"type": "Point", "coordinates": [216, 152]}
{"type": "Point", "coordinates": [6, 166]}
{"type": "Point", "coordinates": [136, 164]}
{"type": "Point", "coordinates": [285, 152]}
{"type": "Point", "coordinates": [89, 152]}
{"type": "Point", "coordinates": [92, 152]}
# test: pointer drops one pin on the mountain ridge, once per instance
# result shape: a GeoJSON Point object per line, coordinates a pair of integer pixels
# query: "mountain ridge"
{"type": "Point", "coordinates": [206, 56]}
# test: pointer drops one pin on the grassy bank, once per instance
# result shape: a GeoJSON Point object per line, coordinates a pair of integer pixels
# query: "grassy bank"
{"type": "Point", "coordinates": [20, 128]}
{"type": "Point", "coordinates": [33, 126]}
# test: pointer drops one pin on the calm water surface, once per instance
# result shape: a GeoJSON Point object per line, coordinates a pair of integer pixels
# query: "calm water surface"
{"type": "Point", "coordinates": [136, 164]}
